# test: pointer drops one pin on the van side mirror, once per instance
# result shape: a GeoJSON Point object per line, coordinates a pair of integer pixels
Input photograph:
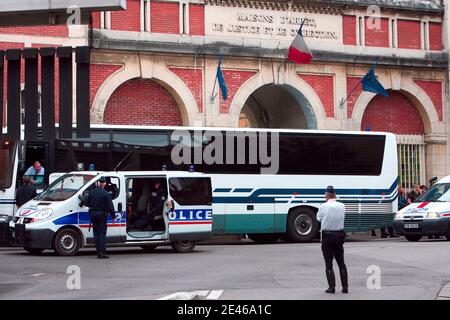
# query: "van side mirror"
{"type": "Point", "coordinates": [81, 202]}
{"type": "Point", "coordinates": [171, 205]}
{"type": "Point", "coordinates": [84, 198]}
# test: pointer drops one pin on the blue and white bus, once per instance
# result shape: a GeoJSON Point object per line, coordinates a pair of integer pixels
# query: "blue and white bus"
{"type": "Point", "coordinates": [362, 166]}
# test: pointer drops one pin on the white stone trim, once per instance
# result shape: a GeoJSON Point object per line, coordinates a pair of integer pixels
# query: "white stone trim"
{"type": "Point", "coordinates": [417, 95]}
{"type": "Point", "coordinates": [288, 78]}
{"type": "Point", "coordinates": [146, 67]}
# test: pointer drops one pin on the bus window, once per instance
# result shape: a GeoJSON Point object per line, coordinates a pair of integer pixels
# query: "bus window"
{"type": "Point", "coordinates": [191, 191]}
{"type": "Point", "coordinates": [304, 154]}
{"type": "Point", "coordinates": [357, 155]}
{"type": "Point", "coordinates": [6, 164]}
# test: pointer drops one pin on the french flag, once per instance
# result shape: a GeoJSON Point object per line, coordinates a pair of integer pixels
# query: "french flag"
{"type": "Point", "coordinates": [299, 51]}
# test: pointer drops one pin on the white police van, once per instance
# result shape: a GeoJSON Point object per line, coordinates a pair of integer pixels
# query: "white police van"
{"type": "Point", "coordinates": [57, 218]}
{"type": "Point", "coordinates": [428, 215]}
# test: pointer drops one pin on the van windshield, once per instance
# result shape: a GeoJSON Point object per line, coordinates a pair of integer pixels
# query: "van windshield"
{"type": "Point", "coordinates": [64, 187]}
{"type": "Point", "coordinates": [437, 193]}
{"type": "Point", "coordinates": [6, 167]}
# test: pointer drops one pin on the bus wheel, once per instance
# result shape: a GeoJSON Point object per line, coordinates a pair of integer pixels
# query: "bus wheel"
{"type": "Point", "coordinates": [183, 246]}
{"type": "Point", "coordinates": [67, 242]}
{"type": "Point", "coordinates": [413, 237]}
{"type": "Point", "coordinates": [33, 250]}
{"type": "Point", "coordinates": [264, 237]}
{"type": "Point", "coordinates": [302, 225]}
{"type": "Point", "coordinates": [149, 247]}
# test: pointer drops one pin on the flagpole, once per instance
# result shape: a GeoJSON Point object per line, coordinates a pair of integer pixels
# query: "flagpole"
{"type": "Point", "coordinates": [341, 104]}
{"type": "Point", "coordinates": [215, 80]}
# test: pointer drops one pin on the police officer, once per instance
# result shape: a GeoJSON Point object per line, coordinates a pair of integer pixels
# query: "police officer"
{"type": "Point", "coordinates": [331, 215]}
{"type": "Point", "coordinates": [100, 204]}
{"type": "Point", "coordinates": [25, 192]}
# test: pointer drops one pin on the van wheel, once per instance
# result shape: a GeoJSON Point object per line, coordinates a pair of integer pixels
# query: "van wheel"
{"type": "Point", "coordinates": [183, 246]}
{"type": "Point", "coordinates": [413, 238]}
{"type": "Point", "coordinates": [302, 225]}
{"type": "Point", "coordinates": [67, 242]}
{"type": "Point", "coordinates": [264, 237]}
{"type": "Point", "coordinates": [149, 247]}
{"type": "Point", "coordinates": [33, 250]}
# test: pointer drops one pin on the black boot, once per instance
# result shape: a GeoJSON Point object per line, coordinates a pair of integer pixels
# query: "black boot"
{"type": "Point", "coordinates": [102, 255]}
{"type": "Point", "coordinates": [331, 281]}
{"type": "Point", "coordinates": [344, 279]}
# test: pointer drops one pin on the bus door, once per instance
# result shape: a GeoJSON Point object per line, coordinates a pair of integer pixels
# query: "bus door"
{"type": "Point", "coordinates": [8, 173]}
{"type": "Point", "coordinates": [190, 215]}
{"type": "Point", "coordinates": [115, 186]}
{"type": "Point", "coordinates": [36, 151]}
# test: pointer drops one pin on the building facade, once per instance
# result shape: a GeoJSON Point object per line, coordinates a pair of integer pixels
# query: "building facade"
{"type": "Point", "coordinates": [156, 62]}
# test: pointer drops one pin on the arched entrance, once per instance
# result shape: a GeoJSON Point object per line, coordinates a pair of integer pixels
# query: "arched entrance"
{"type": "Point", "coordinates": [399, 115]}
{"type": "Point", "coordinates": [142, 102]}
{"type": "Point", "coordinates": [277, 106]}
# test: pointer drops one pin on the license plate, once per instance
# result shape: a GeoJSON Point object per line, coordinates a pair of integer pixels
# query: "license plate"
{"type": "Point", "coordinates": [411, 226]}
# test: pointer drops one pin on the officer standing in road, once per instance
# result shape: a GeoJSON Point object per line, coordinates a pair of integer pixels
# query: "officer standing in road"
{"type": "Point", "coordinates": [331, 215]}
{"type": "Point", "coordinates": [100, 204]}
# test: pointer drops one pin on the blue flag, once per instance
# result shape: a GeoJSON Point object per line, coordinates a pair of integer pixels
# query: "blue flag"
{"type": "Point", "coordinates": [222, 84]}
{"type": "Point", "coordinates": [370, 83]}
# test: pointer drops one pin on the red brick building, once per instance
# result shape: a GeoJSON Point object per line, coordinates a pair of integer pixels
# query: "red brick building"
{"type": "Point", "coordinates": [155, 64]}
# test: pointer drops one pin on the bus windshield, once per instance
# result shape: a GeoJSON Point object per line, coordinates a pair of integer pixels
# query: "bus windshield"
{"type": "Point", "coordinates": [64, 187]}
{"type": "Point", "coordinates": [6, 167]}
{"type": "Point", "coordinates": [437, 193]}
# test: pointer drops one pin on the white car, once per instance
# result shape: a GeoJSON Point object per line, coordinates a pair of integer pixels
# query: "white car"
{"type": "Point", "coordinates": [428, 215]}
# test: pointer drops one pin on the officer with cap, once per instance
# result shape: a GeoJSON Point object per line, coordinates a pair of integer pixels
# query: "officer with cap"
{"type": "Point", "coordinates": [331, 215]}
{"type": "Point", "coordinates": [100, 204]}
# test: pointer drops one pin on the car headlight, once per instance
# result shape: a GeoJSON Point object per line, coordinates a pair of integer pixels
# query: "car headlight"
{"type": "Point", "coordinates": [42, 214]}
{"type": "Point", "coordinates": [397, 216]}
{"type": "Point", "coordinates": [433, 215]}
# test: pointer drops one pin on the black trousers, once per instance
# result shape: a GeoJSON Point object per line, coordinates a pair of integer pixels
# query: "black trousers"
{"type": "Point", "coordinates": [99, 226]}
{"type": "Point", "coordinates": [333, 248]}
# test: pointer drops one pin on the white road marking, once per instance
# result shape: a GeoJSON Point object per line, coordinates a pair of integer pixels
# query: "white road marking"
{"type": "Point", "coordinates": [213, 295]}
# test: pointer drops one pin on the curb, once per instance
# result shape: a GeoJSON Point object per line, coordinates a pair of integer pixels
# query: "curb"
{"type": "Point", "coordinates": [444, 294]}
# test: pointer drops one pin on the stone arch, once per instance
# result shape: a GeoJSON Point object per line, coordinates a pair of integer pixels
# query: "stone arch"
{"type": "Point", "coordinates": [142, 102]}
{"type": "Point", "coordinates": [413, 92]}
{"type": "Point", "coordinates": [161, 75]}
{"type": "Point", "coordinates": [305, 95]}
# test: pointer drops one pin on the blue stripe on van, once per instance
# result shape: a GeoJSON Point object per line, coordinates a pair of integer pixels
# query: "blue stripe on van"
{"type": "Point", "coordinates": [71, 218]}
{"type": "Point", "coordinates": [82, 217]}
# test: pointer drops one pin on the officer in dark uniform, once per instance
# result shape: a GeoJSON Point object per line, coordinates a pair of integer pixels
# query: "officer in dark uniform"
{"type": "Point", "coordinates": [100, 204]}
{"type": "Point", "coordinates": [25, 192]}
{"type": "Point", "coordinates": [331, 215]}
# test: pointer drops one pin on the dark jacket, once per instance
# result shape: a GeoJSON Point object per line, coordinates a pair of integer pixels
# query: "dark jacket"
{"type": "Point", "coordinates": [24, 194]}
{"type": "Point", "coordinates": [412, 196]}
{"type": "Point", "coordinates": [402, 201]}
{"type": "Point", "coordinates": [100, 200]}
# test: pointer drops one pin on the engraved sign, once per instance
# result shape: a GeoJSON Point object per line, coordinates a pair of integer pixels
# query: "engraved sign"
{"type": "Point", "coordinates": [272, 24]}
